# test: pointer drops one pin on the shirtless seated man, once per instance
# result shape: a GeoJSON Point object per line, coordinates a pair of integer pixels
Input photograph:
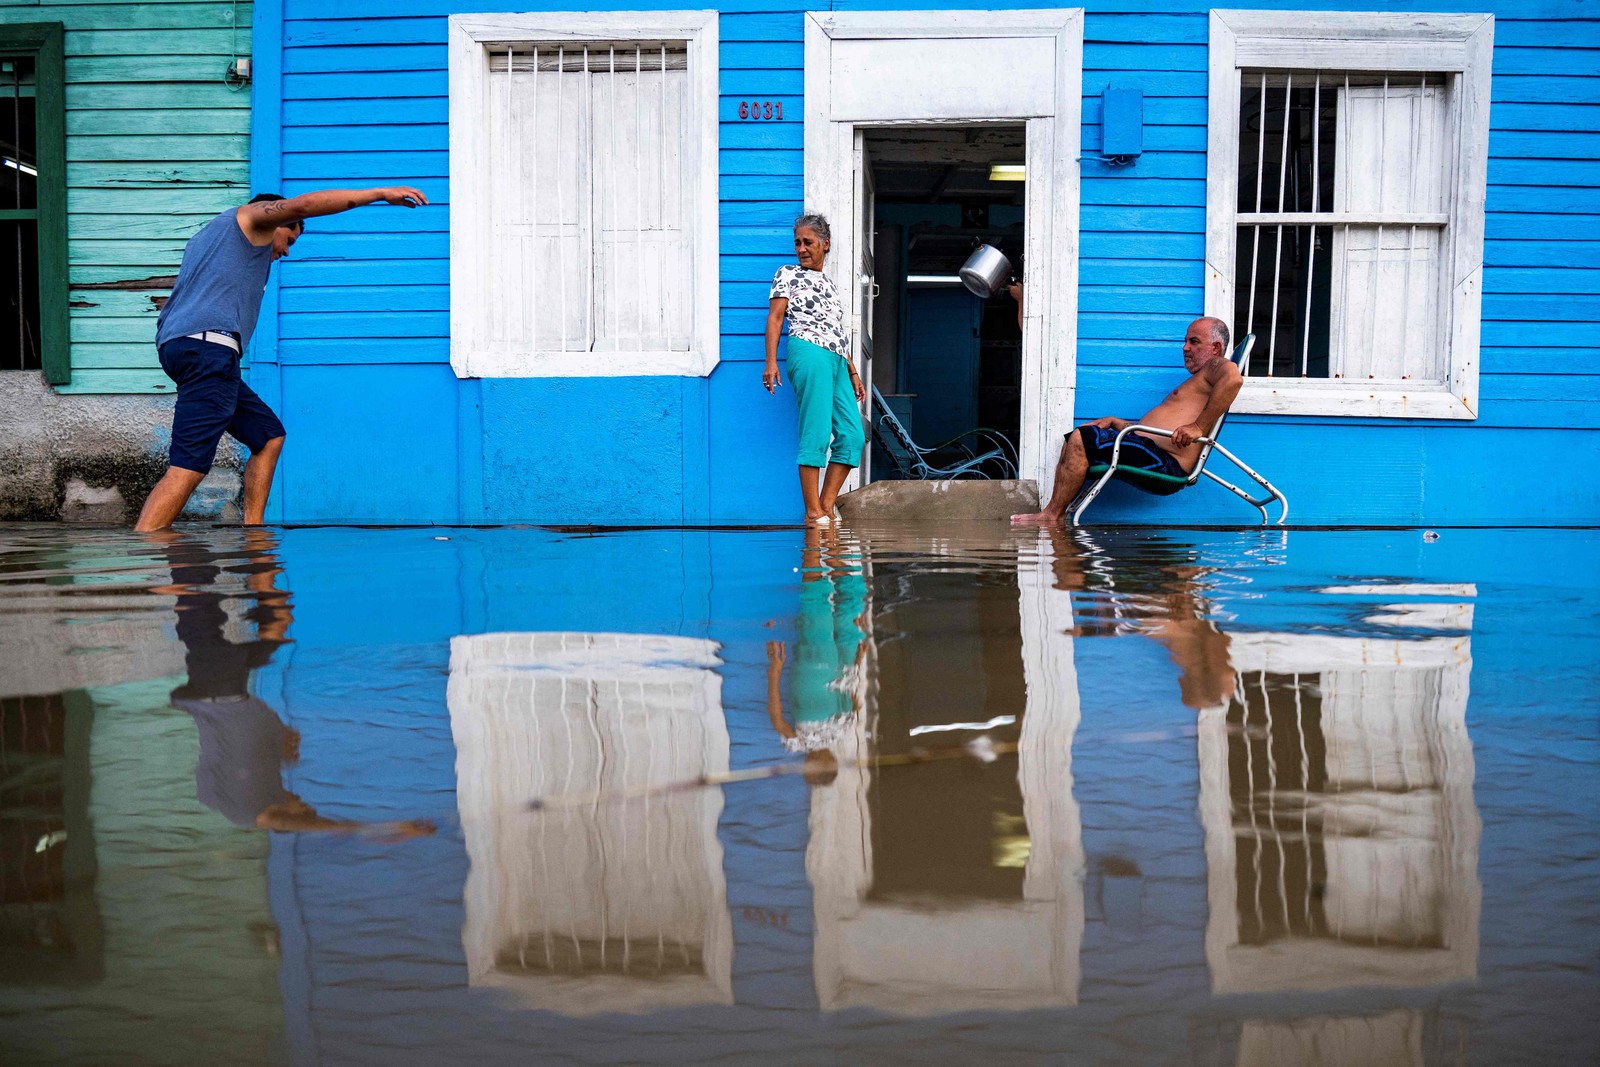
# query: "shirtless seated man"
{"type": "Point", "coordinates": [1189, 411]}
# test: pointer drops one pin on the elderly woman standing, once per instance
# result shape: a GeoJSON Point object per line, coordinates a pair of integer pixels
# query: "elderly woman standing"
{"type": "Point", "coordinates": [825, 382]}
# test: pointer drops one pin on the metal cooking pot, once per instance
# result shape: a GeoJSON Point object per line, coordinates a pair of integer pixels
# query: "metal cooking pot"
{"type": "Point", "coordinates": [986, 271]}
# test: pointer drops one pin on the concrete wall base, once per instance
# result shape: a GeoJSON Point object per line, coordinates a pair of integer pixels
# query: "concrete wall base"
{"type": "Point", "coordinates": [915, 502]}
{"type": "Point", "coordinates": [90, 458]}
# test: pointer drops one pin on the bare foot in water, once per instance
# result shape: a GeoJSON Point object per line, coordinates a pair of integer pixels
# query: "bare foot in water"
{"type": "Point", "coordinates": [819, 520]}
{"type": "Point", "coordinates": [1041, 518]}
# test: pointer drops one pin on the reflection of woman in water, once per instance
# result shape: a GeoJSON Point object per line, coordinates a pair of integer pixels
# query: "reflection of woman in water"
{"type": "Point", "coordinates": [244, 746]}
{"type": "Point", "coordinates": [830, 653]}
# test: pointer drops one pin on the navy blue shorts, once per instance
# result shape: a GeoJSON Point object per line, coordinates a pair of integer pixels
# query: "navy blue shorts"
{"type": "Point", "coordinates": [1137, 451]}
{"type": "Point", "coordinates": [212, 400]}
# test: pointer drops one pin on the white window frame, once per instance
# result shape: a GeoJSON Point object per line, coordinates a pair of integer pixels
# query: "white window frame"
{"type": "Point", "coordinates": [1459, 45]}
{"type": "Point", "coordinates": [470, 37]}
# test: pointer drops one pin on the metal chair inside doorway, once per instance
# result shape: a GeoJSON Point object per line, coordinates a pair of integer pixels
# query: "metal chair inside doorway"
{"type": "Point", "coordinates": [977, 453]}
{"type": "Point", "coordinates": [1167, 484]}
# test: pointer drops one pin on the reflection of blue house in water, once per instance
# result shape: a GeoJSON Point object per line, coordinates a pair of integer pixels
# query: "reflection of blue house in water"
{"type": "Point", "coordinates": [1038, 888]}
{"type": "Point", "coordinates": [1400, 206]}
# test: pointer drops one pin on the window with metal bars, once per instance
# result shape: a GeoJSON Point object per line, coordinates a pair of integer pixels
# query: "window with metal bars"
{"type": "Point", "coordinates": [586, 199]}
{"type": "Point", "coordinates": [1342, 218]}
{"type": "Point", "coordinates": [20, 348]}
{"type": "Point", "coordinates": [1346, 167]}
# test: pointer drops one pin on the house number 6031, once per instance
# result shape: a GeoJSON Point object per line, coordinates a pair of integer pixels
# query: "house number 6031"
{"type": "Point", "coordinates": [761, 109]}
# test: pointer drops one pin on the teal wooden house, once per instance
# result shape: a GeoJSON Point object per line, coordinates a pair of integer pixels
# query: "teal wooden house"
{"type": "Point", "coordinates": [121, 132]}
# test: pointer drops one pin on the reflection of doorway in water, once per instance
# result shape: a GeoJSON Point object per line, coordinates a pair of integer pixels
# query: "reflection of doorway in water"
{"type": "Point", "coordinates": [946, 361]}
{"type": "Point", "coordinates": [949, 651]}
{"type": "Point", "coordinates": [954, 886]}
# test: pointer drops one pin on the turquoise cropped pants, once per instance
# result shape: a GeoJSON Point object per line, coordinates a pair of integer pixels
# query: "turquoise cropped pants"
{"type": "Point", "coordinates": [828, 411]}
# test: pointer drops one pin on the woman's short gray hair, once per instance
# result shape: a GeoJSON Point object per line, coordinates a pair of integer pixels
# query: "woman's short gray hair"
{"type": "Point", "coordinates": [817, 223]}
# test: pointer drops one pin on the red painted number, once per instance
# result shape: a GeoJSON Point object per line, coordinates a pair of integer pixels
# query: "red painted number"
{"type": "Point", "coordinates": [761, 110]}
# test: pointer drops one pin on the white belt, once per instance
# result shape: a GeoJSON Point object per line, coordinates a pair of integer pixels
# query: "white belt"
{"type": "Point", "coordinates": [226, 340]}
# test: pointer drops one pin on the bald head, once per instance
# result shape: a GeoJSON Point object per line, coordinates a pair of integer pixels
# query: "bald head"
{"type": "Point", "coordinates": [1205, 340]}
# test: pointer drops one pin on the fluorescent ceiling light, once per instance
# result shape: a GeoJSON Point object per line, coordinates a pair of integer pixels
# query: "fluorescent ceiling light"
{"type": "Point", "coordinates": [1008, 172]}
{"type": "Point", "coordinates": [23, 167]}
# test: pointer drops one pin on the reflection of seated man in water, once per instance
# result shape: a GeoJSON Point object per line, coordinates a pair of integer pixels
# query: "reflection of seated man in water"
{"type": "Point", "coordinates": [830, 650]}
{"type": "Point", "coordinates": [243, 744]}
{"type": "Point", "coordinates": [1154, 591]}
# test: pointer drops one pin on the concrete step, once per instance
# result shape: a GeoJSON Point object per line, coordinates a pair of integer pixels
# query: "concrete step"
{"type": "Point", "coordinates": [948, 501]}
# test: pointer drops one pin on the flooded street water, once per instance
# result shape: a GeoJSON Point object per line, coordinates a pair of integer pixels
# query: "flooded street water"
{"type": "Point", "coordinates": [352, 796]}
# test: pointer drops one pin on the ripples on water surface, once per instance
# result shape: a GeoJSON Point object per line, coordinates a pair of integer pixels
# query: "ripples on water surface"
{"type": "Point", "coordinates": [1120, 797]}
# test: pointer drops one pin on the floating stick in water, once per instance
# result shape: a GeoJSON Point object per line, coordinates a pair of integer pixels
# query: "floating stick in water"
{"type": "Point", "coordinates": [983, 749]}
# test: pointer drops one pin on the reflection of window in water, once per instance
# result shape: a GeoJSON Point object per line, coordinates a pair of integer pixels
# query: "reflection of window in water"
{"type": "Point", "coordinates": [1337, 797]}
{"type": "Point", "coordinates": [1394, 1039]}
{"type": "Point", "coordinates": [1351, 785]}
{"type": "Point", "coordinates": [49, 921]}
{"type": "Point", "coordinates": [610, 906]}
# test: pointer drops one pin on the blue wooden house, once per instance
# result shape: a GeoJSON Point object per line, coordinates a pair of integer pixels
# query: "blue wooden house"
{"type": "Point", "coordinates": [1401, 206]}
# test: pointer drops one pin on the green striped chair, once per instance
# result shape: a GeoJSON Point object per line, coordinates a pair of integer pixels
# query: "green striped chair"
{"type": "Point", "coordinates": [1167, 484]}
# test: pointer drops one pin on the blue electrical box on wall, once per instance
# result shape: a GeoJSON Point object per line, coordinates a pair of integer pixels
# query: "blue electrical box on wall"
{"type": "Point", "coordinates": [1122, 123]}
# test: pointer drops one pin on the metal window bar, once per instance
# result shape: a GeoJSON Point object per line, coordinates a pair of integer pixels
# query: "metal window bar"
{"type": "Point", "coordinates": [1277, 259]}
{"type": "Point", "coordinates": [1316, 204]}
{"type": "Point", "coordinates": [1255, 254]}
{"type": "Point", "coordinates": [1335, 214]}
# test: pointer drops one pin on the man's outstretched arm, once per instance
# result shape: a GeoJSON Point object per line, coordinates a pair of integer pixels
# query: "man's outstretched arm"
{"type": "Point", "coordinates": [260, 219]}
{"type": "Point", "coordinates": [1225, 380]}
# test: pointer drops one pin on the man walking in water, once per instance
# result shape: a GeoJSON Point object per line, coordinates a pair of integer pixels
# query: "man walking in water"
{"type": "Point", "coordinates": [1189, 411]}
{"type": "Point", "coordinates": [202, 333]}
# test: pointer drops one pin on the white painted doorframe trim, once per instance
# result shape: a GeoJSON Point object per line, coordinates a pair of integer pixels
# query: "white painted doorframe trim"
{"type": "Point", "coordinates": [1054, 133]}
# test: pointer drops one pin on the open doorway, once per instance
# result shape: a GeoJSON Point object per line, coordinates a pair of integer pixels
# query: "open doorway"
{"type": "Point", "coordinates": [945, 360]}
{"type": "Point", "coordinates": [872, 73]}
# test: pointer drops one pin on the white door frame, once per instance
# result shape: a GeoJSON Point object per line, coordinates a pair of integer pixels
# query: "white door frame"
{"type": "Point", "coordinates": [1045, 93]}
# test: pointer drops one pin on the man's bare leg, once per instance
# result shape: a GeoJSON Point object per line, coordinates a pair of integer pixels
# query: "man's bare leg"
{"type": "Point", "coordinates": [832, 482]}
{"type": "Point", "coordinates": [167, 499]}
{"type": "Point", "coordinates": [1070, 471]}
{"type": "Point", "coordinates": [810, 495]}
{"type": "Point", "coordinates": [258, 481]}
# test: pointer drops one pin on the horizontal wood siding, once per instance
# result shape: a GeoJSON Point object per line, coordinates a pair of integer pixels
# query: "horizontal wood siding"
{"type": "Point", "coordinates": [156, 145]}
{"type": "Point", "coordinates": [365, 100]}
{"type": "Point", "coordinates": [1142, 276]}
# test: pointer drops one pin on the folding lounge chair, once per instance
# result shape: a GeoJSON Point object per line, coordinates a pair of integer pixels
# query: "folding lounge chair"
{"type": "Point", "coordinates": [972, 449]}
{"type": "Point", "coordinates": [1167, 484]}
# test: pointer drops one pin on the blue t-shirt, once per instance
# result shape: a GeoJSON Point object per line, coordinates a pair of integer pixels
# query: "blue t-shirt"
{"type": "Point", "coordinates": [219, 284]}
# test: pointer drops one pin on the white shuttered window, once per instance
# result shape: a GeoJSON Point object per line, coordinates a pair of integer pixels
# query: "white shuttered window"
{"type": "Point", "coordinates": [1347, 163]}
{"type": "Point", "coordinates": [583, 235]}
